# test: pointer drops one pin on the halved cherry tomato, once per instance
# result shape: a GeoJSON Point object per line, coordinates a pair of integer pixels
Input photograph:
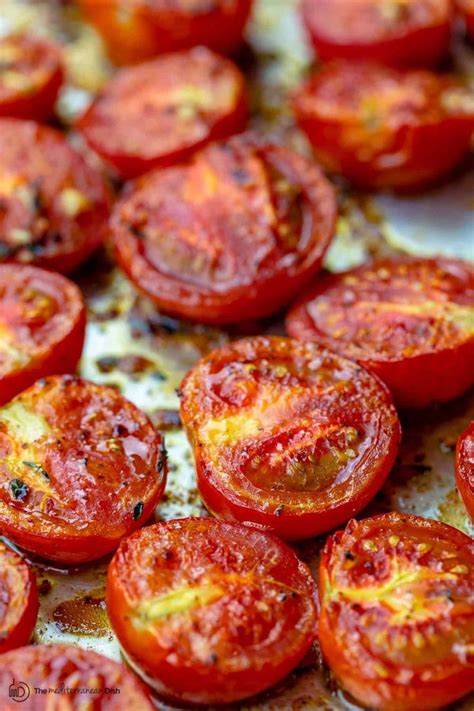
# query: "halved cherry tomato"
{"type": "Point", "coordinates": [231, 236]}
{"type": "Point", "coordinates": [395, 32]}
{"type": "Point", "coordinates": [53, 206]}
{"type": "Point", "coordinates": [397, 612]}
{"type": "Point", "coordinates": [410, 321]}
{"type": "Point", "coordinates": [80, 467]}
{"type": "Point", "coordinates": [465, 468]}
{"type": "Point", "coordinates": [210, 612]}
{"type": "Point", "coordinates": [134, 32]}
{"type": "Point", "coordinates": [467, 9]}
{"type": "Point", "coordinates": [18, 600]}
{"type": "Point", "coordinates": [287, 435]}
{"type": "Point", "coordinates": [30, 77]}
{"type": "Point", "coordinates": [68, 678]}
{"type": "Point", "coordinates": [377, 126]}
{"type": "Point", "coordinates": [160, 112]}
{"type": "Point", "coordinates": [42, 327]}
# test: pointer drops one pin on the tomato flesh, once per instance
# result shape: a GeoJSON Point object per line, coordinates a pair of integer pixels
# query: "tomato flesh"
{"type": "Point", "coordinates": [18, 600]}
{"type": "Point", "coordinates": [210, 612]}
{"type": "Point", "coordinates": [54, 207]}
{"type": "Point", "coordinates": [42, 327]}
{"type": "Point", "coordinates": [409, 321]}
{"type": "Point", "coordinates": [160, 112]}
{"type": "Point", "coordinates": [397, 612]}
{"type": "Point", "coordinates": [231, 236]}
{"type": "Point", "coordinates": [395, 32]}
{"type": "Point", "coordinates": [377, 126]}
{"type": "Point", "coordinates": [465, 468]}
{"type": "Point", "coordinates": [287, 435]}
{"type": "Point", "coordinates": [30, 77]}
{"type": "Point", "coordinates": [80, 467]}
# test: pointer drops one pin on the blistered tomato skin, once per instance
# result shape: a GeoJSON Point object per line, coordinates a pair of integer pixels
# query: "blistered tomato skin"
{"type": "Point", "coordinates": [376, 126]}
{"type": "Point", "coordinates": [58, 666]}
{"type": "Point", "coordinates": [80, 468]}
{"type": "Point", "coordinates": [19, 600]}
{"type": "Point", "coordinates": [145, 29]}
{"type": "Point", "coordinates": [42, 327]}
{"type": "Point", "coordinates": [210, 612]}
{"type": "Point", "coordinates": [287, 435]}
{"type": "Point", "coordinates": [395, 32]}
{"type": "Point", "coordinates": [160, 112]}
{"type": "Point", "coordinates": [397, 612]}
{"type": "Point", "coordinates": [54, 206]}
{"type": "Point", "coordinates": [31, 75]}
{"type": "Point", "coordinates": [409, 321]}
{"type": "Point", "coordinates": [465, 468]}
{"type": "Point", "coordinates": [231, 236]}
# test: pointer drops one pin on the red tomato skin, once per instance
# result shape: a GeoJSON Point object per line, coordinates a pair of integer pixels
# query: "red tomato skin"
{"type": "Point", "coordinates": [64, 354]}
{"type": "Point", "coordinates": [465, 468]}
{"type": "Point", "coordinates": [385, 694]}
{"type": "Point", "coordinates": [204, 684]}
{"type": "Point", "coordinates": [415, 47]}
{"type": "Point", "coordinates": [17, 579]}
{"type": "Point", "coordinates": [153, 30]}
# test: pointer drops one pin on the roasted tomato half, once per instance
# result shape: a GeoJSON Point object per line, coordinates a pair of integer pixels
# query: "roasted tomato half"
{"type": "Point", "coordinates": [467, 9]}
{"type": "Point", "coordinates": [395, 32]}
{"type": "Point", "coordinates": [409, 321]}
{"type": "Point", "coordinates": [210, 612]}
{"type": "Point", "coordinates": [18, 600]}
{"type": "Point", "coordinates": [465, 468]}
{"type": "Point", "coordinates": [54, 207]}
{"type": "Point", "coordinates": [42, 326]}
{"type": "Point", "coordinates": [377, 126]}
{"type": "Point", "coordinates": [139, 30]}
{"type": "Point", "coordinates": [158, 113]}
{"type": "Point", "coordinates": [80, 467]}
{"type": "Point", "coordinates": [231, 236]}
{"type": "Point", "coordinates": [30, 77]}
{"type": "Point", "coordinates": [397, 612]}
{"type": "Point", "coordinates": [111, 687]}
{"type": "Point", "coordinates": [287, 435]}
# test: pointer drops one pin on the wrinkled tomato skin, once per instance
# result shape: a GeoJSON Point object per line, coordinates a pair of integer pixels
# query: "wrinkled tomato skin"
{"type": "Point", "coordinates": [149, 29]}
{"type": "Point", "coordinates": [133, 135]}
{"type": "Point", "coordinates": [286, 435]}
{"type": "Point", "coordinates": [232, 259]}
{"type": "Point", "coordinates": [47, 328]}
{"type": "Point", "coordinates": [435, 370]}
{"type": "Point", "coordinates": [55, 206]}
{"type": "Point", "coordinates": [19, 596]}
{"type": "Point", "coordinates": [465, 468]}
{"type": "Point", "coordinates": [64, 442]}
{"type": "Point", "coordinates": [253, 617]}
{"type": "Point", "coordinates": [40, 61]}
{"type": "Point", "coordinates": [376, 126]}
{"type": "Point", "coordinates": [56, 666]}
{"type": "Point", "coordinates": [393, 612]}
{"type": "Point", "coordinates": [382, 39]}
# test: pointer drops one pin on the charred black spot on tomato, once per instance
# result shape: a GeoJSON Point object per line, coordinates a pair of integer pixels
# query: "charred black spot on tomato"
{"type": "Point", "coordinates": [138, 510]}
{"type": "Point", "coordinates": [19, 489]}
{"type": "Point", "coordinates": [163, 458]}
{"type": "Point", "coordinates": [37, 468]}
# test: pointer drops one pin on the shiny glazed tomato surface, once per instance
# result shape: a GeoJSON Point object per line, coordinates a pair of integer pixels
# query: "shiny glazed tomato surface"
{"type": "Point", "coordinates": [210, 612]}
{"type": "Point", "coordinates": [397, 612]}
{"type": "Point", "coordinates": [287, 435]}
{"type": "Point", "coordinates": [140, 29]}
{"type": "Point", "coordinates": [42, 326]}
{"type": "Point", "coordinates": [465, 468]}
{"type": "Point", "coordinates": [18, 600]}
{"type": "Point", "coordinates": [80, 467]}
{"type": "Point", "coordinates": [158, 113]}
{"type": "Point", "coordinates": [54, 207]}
{"type": "Point", "coordinates": [409, 321]}
{"type": "Point", "coordinates": [30, 77]}
{"type": "Point", "coordinates": [232, 235]}
{"type": "Point", "coordinates": [377, 126]}
{"type": "Point", "coordinates": [395, 32]}
{"type": "Point", "coordinates": [57, 666]}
